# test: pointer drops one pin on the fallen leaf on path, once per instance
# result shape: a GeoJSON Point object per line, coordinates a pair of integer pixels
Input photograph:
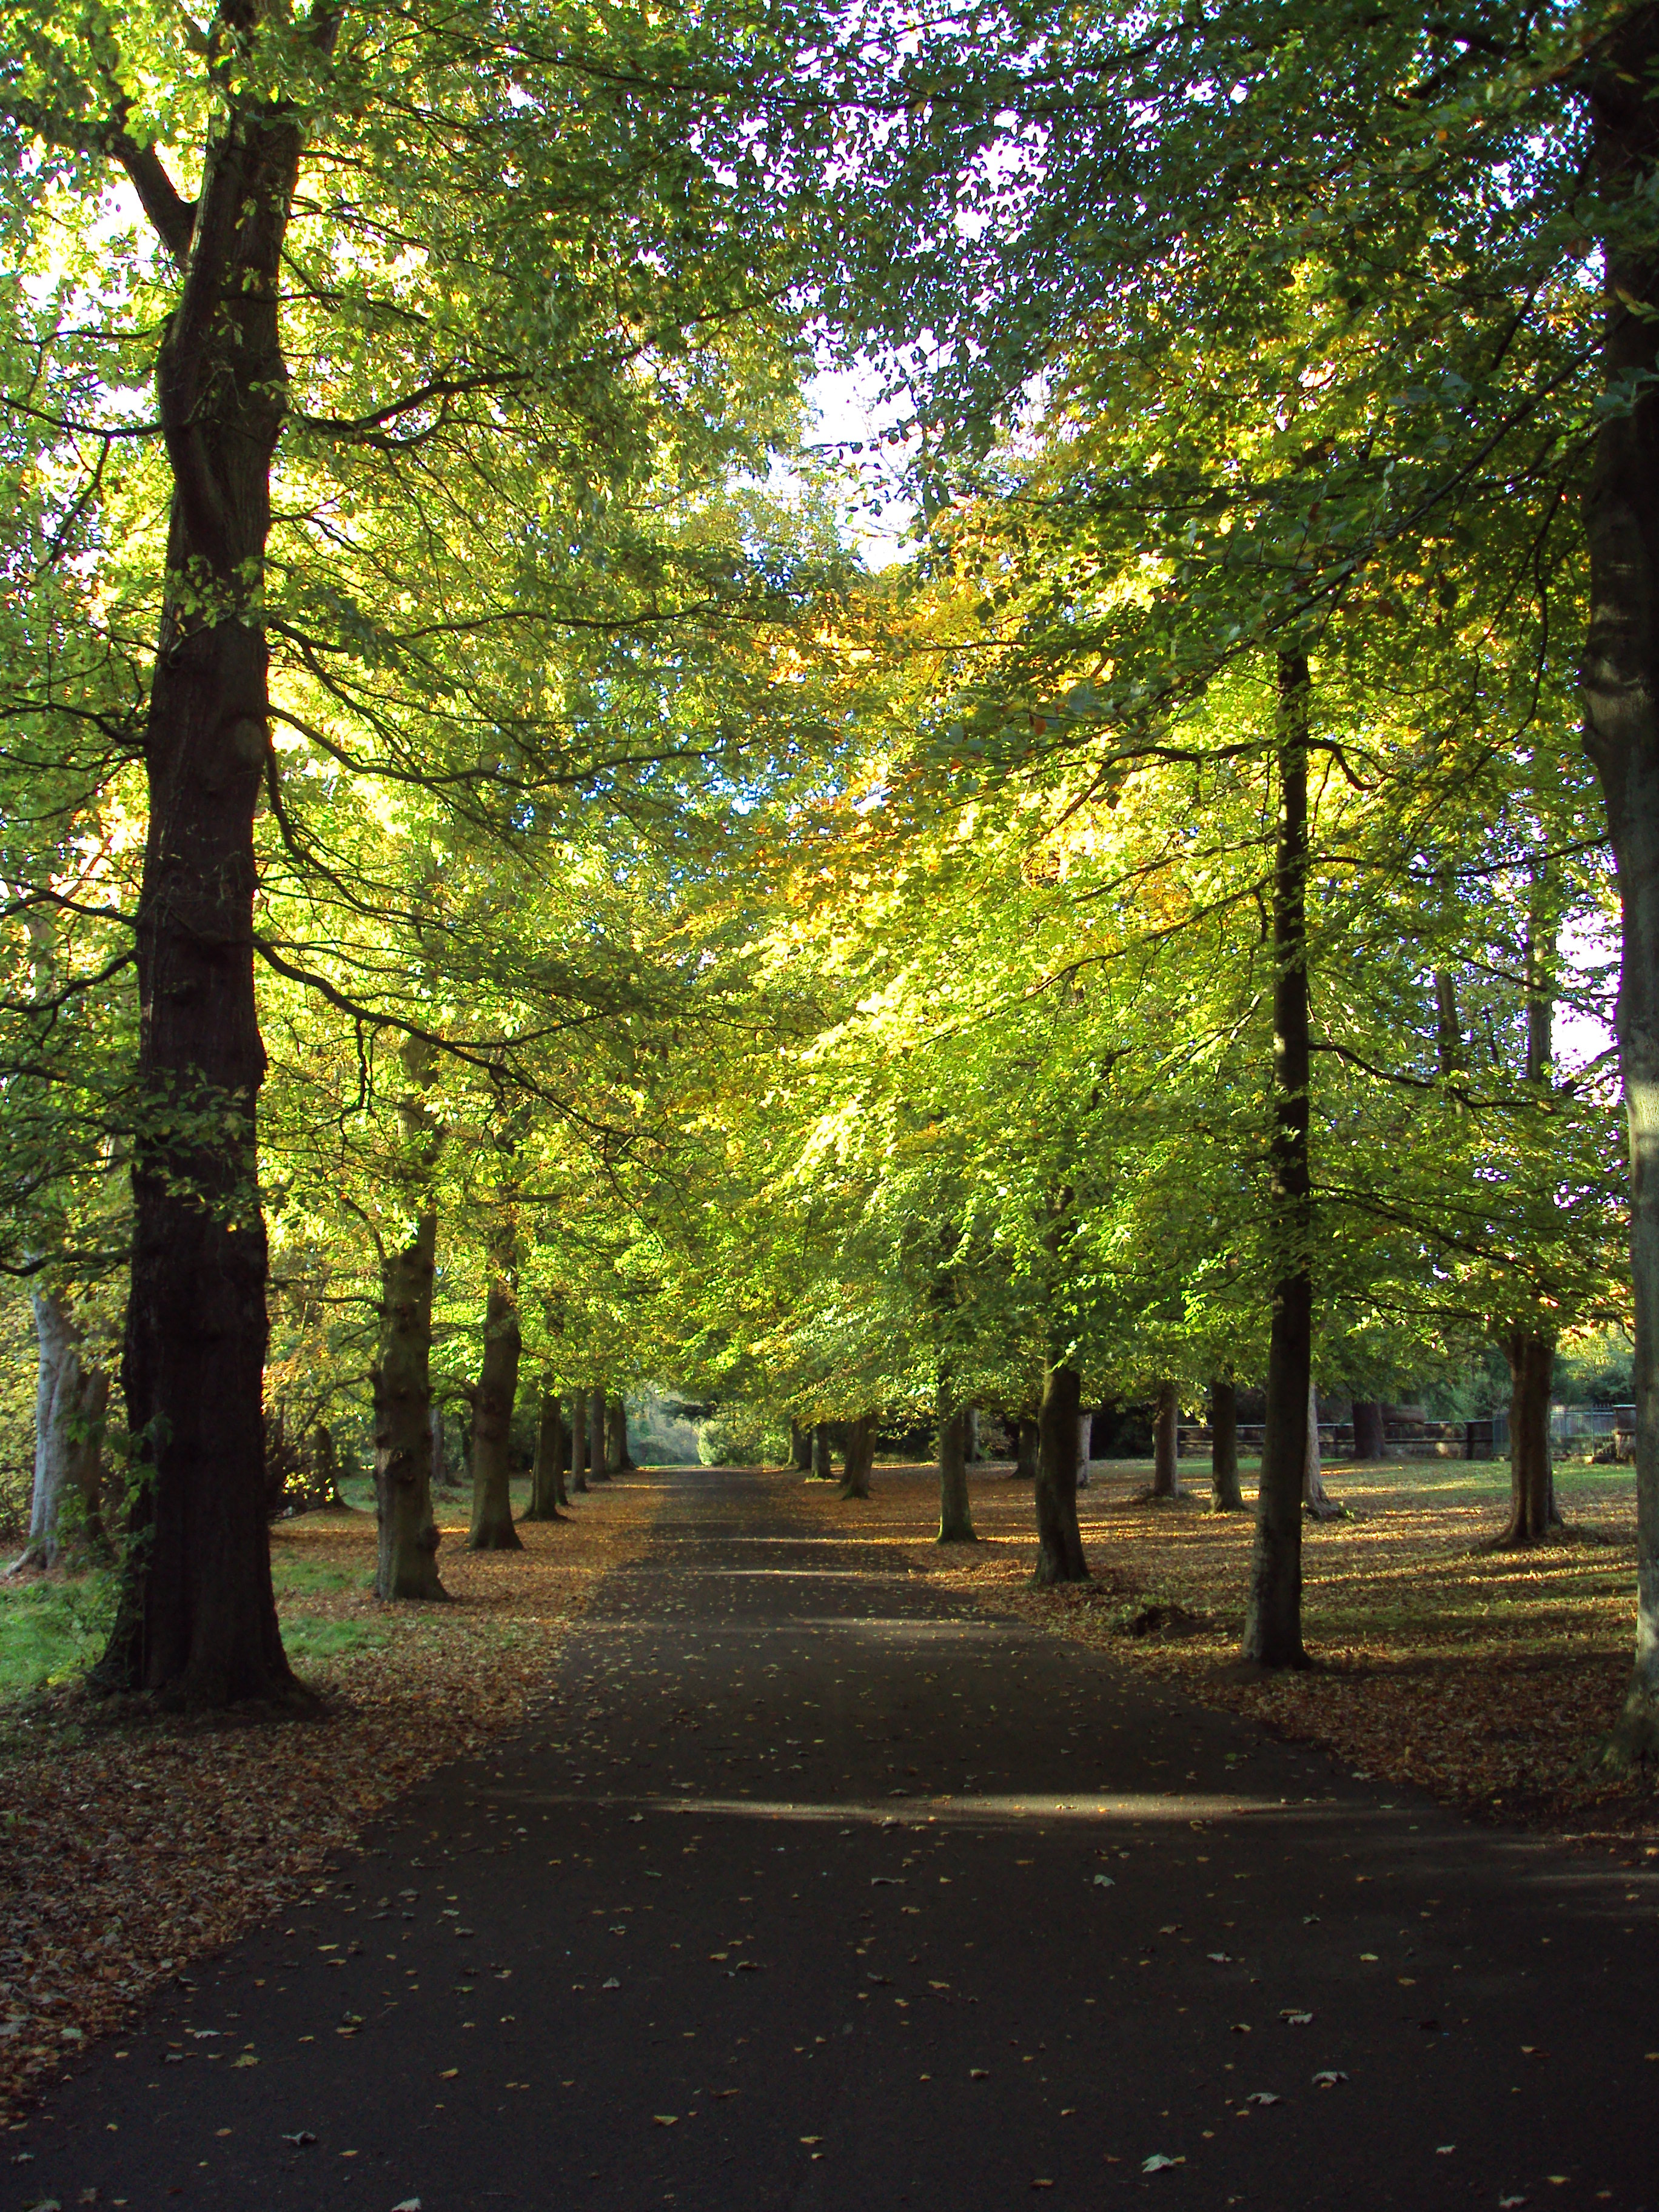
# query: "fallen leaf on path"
{"type": "Point", "coordinates": [1296, 2019]}
{"type": "Point", "coordinates": [665, 2119]}
{"type": "Point", "coordinates": [1157, 2161]}
{"type": "Point", "coordinates": [299, 2138]}
{"type": "Point", "coordinates": [1328, 2076]}
{"type": "Point", "coordinates": [1263, 2097]}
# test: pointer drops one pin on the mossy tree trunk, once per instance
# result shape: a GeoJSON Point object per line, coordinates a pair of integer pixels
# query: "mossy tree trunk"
{"type": "Point", "coordinates": [1370, 1437]}
{"type": "Point", "coordinates": [1166, 1442]}
{"type": "Point", "coordinates": [859, 1457]}
{"type": "Point", "coordinates": [406, 1555]}
{"type": "Point", "coordinates": [1225, 1496]}
{"type": "Point", "coordinates": [801, 1448]}
{"type": "Point", "coordinates": [615, 1429]}
{"type": "Point", "coordinates": [1272, 1620]}
{"type": "Point", "coordinates": [70, 1400]}
{"type": "Point", "coordinates": [492, 1528]}
{"type": "Point", "coordinates": [1533, 1514]}
{"type": "Point", "coordinates": [1025, 1448]}
{"type": "Point", "coordinates": [1060, 1541]}
{"type": "Point", "coordinates": [824, 1459]}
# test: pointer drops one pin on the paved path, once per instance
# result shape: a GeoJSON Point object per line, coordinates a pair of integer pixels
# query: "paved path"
{"type": "Point", "coordinates": [814, 1888]}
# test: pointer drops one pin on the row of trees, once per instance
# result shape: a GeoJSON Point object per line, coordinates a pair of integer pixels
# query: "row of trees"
{"type": "Point", "coordinates": [462, 797]}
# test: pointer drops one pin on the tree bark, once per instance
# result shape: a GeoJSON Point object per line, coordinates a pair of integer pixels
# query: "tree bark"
{"type": "Point", "coordinates": [1025, 1449]}
{"type": "Point", "coordinates": [1166, 1443]}
{"type": "Point", "coordinates": [598, 1443]}
{"type": "Point", "coordinates": [616, 1430]}
{"type": "Point", "coordinates": [196, 1617]}
{"type": "Point", "coordinates": [561, 1453]}
{"type": "Point", "coordinates": [1370, 1440]}
{"type": "Point", "coordinates": [823, 1461]}
{"type": "Point", "coordinates": [1060, 1541]}
{"type": "Point", "coordinates": [1225, 1496]}
{"type": "Point", "coordinates": [69, 1403]}
{"type": "Point", "coordinates": [1621, 683]}
{"type": "Point", "coordinates": [1315, 1498]}
{"type": "Point", "coordinates": [1273, 1621]}
{"type": "Point", "coordinates": [578, 1440]}
{"type": "Point", "coordinates": [550, 1452]}
{"type": "Point", "coordinates": [1085, 1431]}
{"type": "Point", "coordinates": [859, 1457]}
{"type": "Point", "coordinates": [956, 1520]}
{"type": "Point", "coordinates": [801, 1448]}
{"type": "Point", "coordinates": [492, 1528]}
{"type": "Point", "coordinates": [406, 1556]}
{"type": "Point", "coordinates": [974, 1454]}
{"type": "Point", "coordinates": [1531, 1356]}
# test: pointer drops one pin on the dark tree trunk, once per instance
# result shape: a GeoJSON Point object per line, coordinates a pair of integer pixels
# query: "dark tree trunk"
{"type": "Point", "coordinates": [1532, 1474]}
{"type": "Point", "coordinates": [1370, 1438]}
{"type": "Point", "coordinates": [1620, 680]}
{"type": "Point", "coordinates": [197, 1618]}
{"type": "Point", "coordinates": [1060, 1541]}
{"type": "Point", "coordinates": [956, 1520]}
{"type": "Point", "coordinates": [599, 1444]}
{"type": "Point", "coordinates": [1025, 1449]}
{"type": "Point", "coordinates": [1225, 1496]}
{"type": "Point", "coordinates": [616, 1432]}
{"type": "Point", "coordinates": [801, 1448]}
{"type": "Point", "coordinates": [544, 1475]}
{"type": "Point", "coordinates": [406, 1558]}
{"type": "Point", "coordinates": [492, 1528]}
{"type": "Point", "coordinates": [578, 1440]}
{"type": "Point", "coordinates": [823, 1464]}
{"type": "Point", "coordinates": [859, 1457]}
{"type": "Point", "coordinates": [1166, 1443]}
{"type": "Point", "coordinates": [1273, 1624]}
{"type": "Point", "coordinates": [561, 1453]}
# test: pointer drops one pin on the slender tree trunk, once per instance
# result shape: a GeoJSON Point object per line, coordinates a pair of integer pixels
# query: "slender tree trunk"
{"type": "Point", "coordinates": [561, 1453]}
{"type": "Point", "coordinates": [859, 1457]}
{"type": "Point", "coordinates": [549, 1451]}
{"type": "Point", "coordinates": [492, 1528]}
{"type": "Point", "coordinates": [1085, 1431]}
{"type": "Point", "coordinates": [1166, 1443]}
{"type": "Point", "coordinates": [1060, 1541]}
{"type": "Point", "coordinates": [1620, 682]}
{"type": "Point", "coordinates": [1225, 1496]}
{"type": "Point", "coordinates": [956, 1520]}
{"type": "Point", "coordinates": [598, 1448]}
{"type": "Point", "coordinates": [974, 1454]}
{"type": "Point", "coordinates": [1315, 1498]}
{"type": "Point", "coordinates": [196, 1617]}
{"type": "Point", "coordinates": [578, 1440]}
{"type": "Point", "coordinates": [1532, 1515]}
{"type": "Point", "coordinates": [801, 1448]}
{"type": "Point", "coordinates": [1025, 1449]}
{"type": "Point", "coordinates": [69, 1404]}
{"type": "Point", "coordinates": [1273, 1623]}
{"type": "Point", "coordinates": [616, 1426]}
{"type": "Point", "coordinates": [824, 1462]}
{"type": "Point", "coordinates": [406, 1556]}
{"type": "Point", "coordinates": [1370, 1440]}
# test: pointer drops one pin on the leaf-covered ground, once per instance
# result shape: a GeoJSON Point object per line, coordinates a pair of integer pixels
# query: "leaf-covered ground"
{"type": "Point", "coordinates": [127, 1848]}
{"type": "Point", "coordinates": [1484, 1678]}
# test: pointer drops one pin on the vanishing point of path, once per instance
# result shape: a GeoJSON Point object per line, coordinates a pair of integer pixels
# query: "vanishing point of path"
{"type": "Point", "coordinates": [811, 1886]}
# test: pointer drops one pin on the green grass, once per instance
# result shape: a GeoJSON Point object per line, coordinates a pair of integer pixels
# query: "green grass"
{"type": "Point", "coordinates": [51, 1631]}
{"type": "Point", "coordinates": [306, 1636]}
{"type": "Point", "coordinates": [289, 1573]}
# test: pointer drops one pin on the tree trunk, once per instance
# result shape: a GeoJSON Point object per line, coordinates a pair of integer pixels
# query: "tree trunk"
{"type": "Point", "coordinates": [197, 1618]}
{"type": "Point", "coordinates": [616, 1429]}
{"type": "Point", "coordinates": [1025, 1449]}
{"type": "Point", "coordinates": [1370, 1440]}
{"type": "Point", "coordinates": [801, 1448]}
{"type": "Point", "coordinates": [561, 1453]}
{"type": "Point", "coordinates": [1086, 1433]}
{"type": "Point", "coordinates": [492, 1528]}
{"type": "Point", "coordinates": [578, 1440]}
{"type": "Point", "coordinates": [956, 1520]}
{"type": "Point", "coordinates": [859, 1457]}
{"type": "Point", "coordinates": [1273, 1621]}
{"type": "Point", "coordinates": [1166, 1443]}
{"type": "Point", "coordinates": [1532, 1474]}
{"type": "Point", "coordinates": [70, 1402]}
{"type": "Point", "coordinates": [406, 1556]}
{"type": "Point", "coordinates": [1225, 1496]}
{"type": "Point", "coordinates": [1621, 681]}
{"type": "Point", "coordinates": [550, 1452]}
{"type": "Point", "coordinates": [1060, 1541]}
{"type": "Point", "coordinates": [975, 1456]}
{"type": "Point", "coordinates": [824, 1462]}
{"type": "Point", "coordinates": [599, 1444]}
{"type": "Point", "coordinates": [1315, 1498]}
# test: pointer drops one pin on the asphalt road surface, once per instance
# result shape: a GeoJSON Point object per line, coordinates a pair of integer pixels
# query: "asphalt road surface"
{"type": "Point", "coordinates": [813, 1886]}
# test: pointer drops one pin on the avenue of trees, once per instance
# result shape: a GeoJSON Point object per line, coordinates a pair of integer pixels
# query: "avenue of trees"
{"type": "Point", "coordinates": [499, 902]}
